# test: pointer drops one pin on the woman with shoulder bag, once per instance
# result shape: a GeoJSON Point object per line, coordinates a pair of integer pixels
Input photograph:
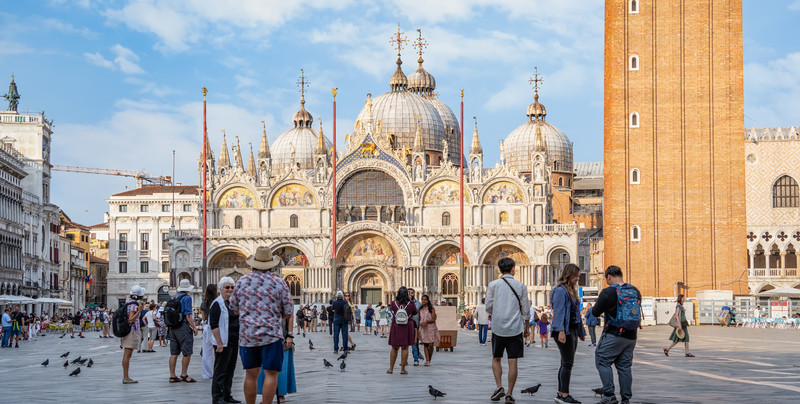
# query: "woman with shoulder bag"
{"type": "Point", "coordinates": [567, 327]}
{"type": "Point", "coordinates": [680, 332]}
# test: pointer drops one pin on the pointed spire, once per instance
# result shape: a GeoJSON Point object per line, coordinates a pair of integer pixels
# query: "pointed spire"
{"type": "Point", "coordinates": [238, 156]}
{"type": "Point", "coordinates": [418, 148]}
{"type": "Point", "coordinates": [251, 165]}
{"type": "Point", "coordinates": [320, 141]}
{"type": "Point", "coordinates": [224, 159]}
{"type": "Point", "coordinates": [398, 82]}
{"type": "Point", "coordinates": [476, 142]}
{"type": "Point", "coordinates": [263, 150]}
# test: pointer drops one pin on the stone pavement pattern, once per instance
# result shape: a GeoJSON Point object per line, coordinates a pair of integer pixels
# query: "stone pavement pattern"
{"type": "Point", "coordinates": [732, 366]}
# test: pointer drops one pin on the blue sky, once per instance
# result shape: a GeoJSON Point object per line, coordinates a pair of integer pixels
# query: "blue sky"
{"type": "Point", "coordinates": [122, 79]}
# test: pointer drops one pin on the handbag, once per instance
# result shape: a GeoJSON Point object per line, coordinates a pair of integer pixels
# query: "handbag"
{"type": "Point", "coordinates": [675, 321]}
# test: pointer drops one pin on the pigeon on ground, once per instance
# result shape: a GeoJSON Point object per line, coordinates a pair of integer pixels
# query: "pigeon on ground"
{"type": "Point", "coordinates": [326, 363]}
{"type": "Point", "coordinates": [75, 372]}
{"type": "Point", "coordinates": [66, 363]}
{"type": "Point", "coordinates": [342, 366]}
{"type": "Point", "coordinates": [342, 356]}
{"type": "Point", "coordinates": [91, 362]}
{"type": "Point", "coordinates": [76, 360]}
{"type": "Point", "coordinates": [82, 361]}
{"type": "Point", "coordinates": [65, 355]}
{"type": "Point", "coordinates": [435, 393]}
{"type": "Point", "coordinates": [310, 344]}
{"type": "Point", "coordinates": [46, 362]}
{"type": "Point", "coordinates": [532, 390]}
{"type": "Point", "coordinates": [598, 391]}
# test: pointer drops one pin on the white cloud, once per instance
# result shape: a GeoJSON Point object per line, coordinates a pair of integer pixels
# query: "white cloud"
{"type": "Point", "coordinates": [98, 60]}
{"type": "Point", "coordinates": [795, 6]}
{"type": "Point", "coordinates": [8, 48]}
{"type": "Point", "coordinates": [125, 60]}
{"type": "Point", "coordinates": [244, 82]}
{"type": "Point", "coordinates": [179, 24]}
{"type": "Point", "coordinates": [149, 87]}
{"type": "Point", "coordinates": [771, 90]}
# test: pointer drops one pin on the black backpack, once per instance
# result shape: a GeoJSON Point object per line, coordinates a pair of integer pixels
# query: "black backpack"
{"type": "Point", "coordinates": [120, 325]}
{"type": "Point", "coordinates": [347, 313]}
{"type": "Point", "coordinates": [172, 311]}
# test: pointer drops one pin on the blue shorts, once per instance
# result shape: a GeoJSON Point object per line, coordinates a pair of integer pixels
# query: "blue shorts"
{"type": "Point", "coordinates": [268, 357]}
{"type": "Point", "coordinates": [368, 323]}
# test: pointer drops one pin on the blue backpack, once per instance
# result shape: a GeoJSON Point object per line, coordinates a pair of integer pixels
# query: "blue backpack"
{"type": "Point", "coordinates": [629, 309]}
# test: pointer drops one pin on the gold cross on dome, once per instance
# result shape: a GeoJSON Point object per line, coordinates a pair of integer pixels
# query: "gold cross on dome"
{"type": "Point", "coordinates": [420, 43]}
{"type": "Point", "coordinates": [398, 40]}
{"type": "Point", "coordinates": [303, 83]}
{"type": "Point", "coordinates": [536, 79]}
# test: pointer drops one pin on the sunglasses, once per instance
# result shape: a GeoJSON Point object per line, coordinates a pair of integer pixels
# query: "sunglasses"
{"type": "Point", "coordinates": [228, 287]}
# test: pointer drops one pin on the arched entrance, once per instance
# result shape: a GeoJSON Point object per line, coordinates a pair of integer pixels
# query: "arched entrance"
{"type": "Point", "coordinates": [369, 285]}
{"type": "Point", "coordinates": [558, 259]}
{"type": "Point", "coordinates": [163, 294]}
{"type": "Point", "coordinates": [227, 263]}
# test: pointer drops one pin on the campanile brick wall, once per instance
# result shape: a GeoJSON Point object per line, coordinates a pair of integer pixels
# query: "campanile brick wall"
{"type": "Point", "coordinates": [688, 92]}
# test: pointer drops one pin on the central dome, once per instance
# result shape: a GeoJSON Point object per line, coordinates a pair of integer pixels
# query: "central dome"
{"type": "Point", "coordinates": [520, 143]}
{"type": "Point", "coordinates": [400, 110]}
{"type": "Point", "coordinates": [301, 139]}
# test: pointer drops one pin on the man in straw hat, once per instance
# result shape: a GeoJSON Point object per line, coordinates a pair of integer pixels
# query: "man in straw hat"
{"type": "Point", "coordinates": [181, 338]}
{"type": "Point", "coordinates": [262, 301]}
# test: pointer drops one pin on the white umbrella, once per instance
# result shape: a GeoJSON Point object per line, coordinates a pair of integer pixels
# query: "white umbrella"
{"type": "Point", "coordinates": [16, 299]}
{"type": "Point", "coordinates": [781, 292]}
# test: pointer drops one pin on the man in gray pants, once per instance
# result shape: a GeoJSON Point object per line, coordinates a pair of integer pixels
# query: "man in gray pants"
{"type": "Point", "coordinates": [616, 344]}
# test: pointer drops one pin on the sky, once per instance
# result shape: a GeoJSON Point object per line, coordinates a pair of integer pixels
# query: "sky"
{"type": "Point", "coordinates": [122, 79]}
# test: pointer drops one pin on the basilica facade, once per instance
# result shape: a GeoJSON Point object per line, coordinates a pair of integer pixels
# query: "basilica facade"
{"type": "Point", "coordinates": [397, 207]}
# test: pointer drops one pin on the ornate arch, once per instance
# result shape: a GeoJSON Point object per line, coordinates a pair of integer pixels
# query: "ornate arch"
{"type": "Point", "coordinates": [354, 275]}
{"type": "Point", "coordinates": [224, 190]}
{"type": "Point", "coordinates": [282, 244]}
{"type": "Point", "coordinates": [552, 249]}
{"type": "Point", "coordinates": [515, 181]}
{"type": "Point", "coordinates": [400, 176]}
{"type": "Point", "coordinates": [223, 247]}
{"type": "Point", "coordinates": [489, 248]}
{"type": "Point", "coordinates": [378, 228]}
{"type": "Point", "coordinates": [286, 183]}
{"type": "Point", "coordinates": [427, 254]}
{"type": "Point", "coordinates": [438, 180]}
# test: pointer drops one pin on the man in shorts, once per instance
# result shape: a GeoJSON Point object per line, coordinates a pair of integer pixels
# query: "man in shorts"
{"type": "Point", "coordinates": [262, 300]}
{"type": "Point", "coordinates": [507, 302]}
{"type": "Point", "coordinates": [181, 340]}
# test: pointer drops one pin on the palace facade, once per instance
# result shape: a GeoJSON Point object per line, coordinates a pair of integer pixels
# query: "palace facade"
{"type": "Point", "coordinates": [397, 205]}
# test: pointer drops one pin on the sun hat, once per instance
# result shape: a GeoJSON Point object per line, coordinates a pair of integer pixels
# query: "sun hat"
{"type": "Point", "coordinates": [263, 259]}
{"type": "Point", "coordinates": [185, 286]}
{"type": "Point", "coordinates": [137, 291]}
{"type": "Point", "coordinates": [680, 333]}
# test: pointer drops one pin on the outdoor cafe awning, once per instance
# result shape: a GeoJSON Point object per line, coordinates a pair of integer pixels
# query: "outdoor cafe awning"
{"type": "Point", "coordinates": [781, 292]}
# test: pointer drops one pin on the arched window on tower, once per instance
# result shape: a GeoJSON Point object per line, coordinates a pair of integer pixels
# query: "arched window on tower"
{"type": "Point", "coordinates": [560, 182]}
{"type": "Point", "coordinates": [634, 6]}
{"type": "Point", "coordinates": [633, 62]}
{"type": "Point", "coordinates": [293, 221]}
{"type": "Point", "coordinates": [785, 193]}
{"type": "Point", "coordinates": [446, 219]}
{"type": "Point", "coordinates": [634, 120]}
{"type": "Point", "coordinates": [237, 222]}
{"type": "Point", "coordinates": [636, 233]}
{"type": "Point", "coordinates": [635, 176]}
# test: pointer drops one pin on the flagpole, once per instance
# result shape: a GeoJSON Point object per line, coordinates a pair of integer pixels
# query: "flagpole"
{"type": "Point", "coordinates": [461, 303]}
{"type": "Point", "coordinates": [203, 274]}
{"type": "Point", "coordinates": [334, 212]}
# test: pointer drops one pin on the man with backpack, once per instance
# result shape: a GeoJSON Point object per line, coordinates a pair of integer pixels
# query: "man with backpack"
{"type": "Point", "coordinates": [180, 319]}
{"type": "Point", "coordinates": [341, 318]}
{"type": "Point", "coordinates": [621, 304]}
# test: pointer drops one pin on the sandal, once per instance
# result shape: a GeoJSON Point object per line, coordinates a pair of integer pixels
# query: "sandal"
{"type": "Point", "coordinates": [666, 352]}
{"type": "Point", "coordinates": [688, 355]}
{"type": "Point", "coordinates": [129, 381]}
{"type": "Point", "coordinates": [427, 363]}
{"type": "Point", "coordinates": [174, 379]}
{"type": "Point", "coordinates": [403, 372]}
{"type": "Point", "coordinates": [187, 379]}
{"type": "Point", "coordinates": [388, 372]}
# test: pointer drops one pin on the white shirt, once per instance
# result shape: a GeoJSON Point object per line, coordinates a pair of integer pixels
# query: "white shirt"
{"type": "Point", "coordinates": [503, 306]}
{"type": "Point", "coordinates": [758, 313]}
{"type": "Point", "coordinates": [481, 316]}
{"type": "Point", "coordinates": [149, 319]}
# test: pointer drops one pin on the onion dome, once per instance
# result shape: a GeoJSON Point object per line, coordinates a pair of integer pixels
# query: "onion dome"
{"type": "Point", "coordinates": [522, 141]}
{"type": "Point", "coordinates": [300, 141]}
{"type": "Point", "coordinates": [398, 82]}
{"type": "Point", "coordinates": [421, 82]}
{"type": "Point", "coordinates": [451, 127]}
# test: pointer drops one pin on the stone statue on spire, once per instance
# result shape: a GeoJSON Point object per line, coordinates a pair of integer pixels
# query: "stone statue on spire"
{"type": "Point", "coordinates": [12, 96]}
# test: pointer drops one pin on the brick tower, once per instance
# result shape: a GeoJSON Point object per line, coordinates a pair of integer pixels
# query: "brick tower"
{"type": "Point", "coordinates": [674, 145]}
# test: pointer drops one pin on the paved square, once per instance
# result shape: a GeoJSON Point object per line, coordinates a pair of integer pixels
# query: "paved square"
{"type": "Point", "coordinates": [732, 366]}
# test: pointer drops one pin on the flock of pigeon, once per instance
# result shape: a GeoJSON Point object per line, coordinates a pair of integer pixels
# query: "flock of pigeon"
{"type": "Point", "coordinates": [77, 361]}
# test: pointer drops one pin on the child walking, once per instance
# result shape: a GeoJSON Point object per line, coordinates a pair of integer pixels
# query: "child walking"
{"type": "Point", "coordinates": [544, 321]}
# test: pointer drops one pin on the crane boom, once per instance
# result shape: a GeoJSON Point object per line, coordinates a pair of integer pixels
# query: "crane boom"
{"type": "Point", "coordinates": [140, 176]}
